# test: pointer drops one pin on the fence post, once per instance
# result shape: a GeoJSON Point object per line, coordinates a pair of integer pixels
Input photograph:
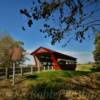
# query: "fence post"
{"type": "Point", "coordinates": [44, 68]}
{"type": "Point", "coordinates": [6, 73]}
{"type": "Point", "coordinates": [13, 73]}
{"type": "Point", "coordinates": [21, 70]}
{"type": "Point", "coordinates": [31, 69]}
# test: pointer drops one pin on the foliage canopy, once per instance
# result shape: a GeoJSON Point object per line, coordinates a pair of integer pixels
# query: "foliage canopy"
{"type": "Point", "coordinates": [74, 18]}
{"type": "Point", "coordinates": [6, 43]}
{"type": "Point", "coordinates": [97, 51]}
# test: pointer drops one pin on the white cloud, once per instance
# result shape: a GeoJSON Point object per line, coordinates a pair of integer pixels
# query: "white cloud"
{"type": "Point", "coordinates": [30, 59]}
{"type": "Point", "coordinates": [82, 57]}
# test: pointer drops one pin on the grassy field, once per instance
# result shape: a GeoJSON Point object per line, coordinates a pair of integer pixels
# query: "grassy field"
{"type": "Point", "coordinates": [53, 85]}
{"type": "Point", "coordinates": [84, 67]}
{"type": "Point", "coordinates": [81, 70]}
{"type": "Point", "coordinates": [64, 85]}
{"type": "Point", "coordinates": [53, 76]}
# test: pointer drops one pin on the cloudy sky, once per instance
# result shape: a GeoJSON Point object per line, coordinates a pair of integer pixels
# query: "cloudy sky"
{"type": "Point", "coordinates": [11, 22]}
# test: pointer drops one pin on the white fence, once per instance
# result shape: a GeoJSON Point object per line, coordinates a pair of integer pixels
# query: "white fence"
{"type": "Point", "coordinates": [18, 70]}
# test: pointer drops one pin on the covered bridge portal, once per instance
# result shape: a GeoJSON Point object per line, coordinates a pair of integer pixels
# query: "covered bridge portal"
{"type": "Point", "coordinates": [48, 59]}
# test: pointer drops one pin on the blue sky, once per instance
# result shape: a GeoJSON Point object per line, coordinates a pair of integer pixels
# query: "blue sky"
{"type": "Point", "coordinates": [11, 22]}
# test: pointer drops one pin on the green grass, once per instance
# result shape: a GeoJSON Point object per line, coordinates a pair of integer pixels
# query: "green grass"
{"type": "Point", "coordinates": [56, 81]}
{"type": "Point", "coordinates": [55, 85]}
{"type": "Point", "coordinates": [53, 76]}
{"type": "Point", "coordinates": [58, 76]}
{"type": "Point", "coordinates": [84, 67]}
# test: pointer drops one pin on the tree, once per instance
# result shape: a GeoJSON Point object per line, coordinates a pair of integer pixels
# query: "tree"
{"type": "Point", "coordinates": [97, 52]}
{"type": "Point", "coordinates": [74, 18]}
{"type": "Point", "coordinates": [6, 43]}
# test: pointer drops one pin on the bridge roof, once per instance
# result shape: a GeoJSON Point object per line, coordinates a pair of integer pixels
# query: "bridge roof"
{"type": "Point", "coordinates": [42, 50]}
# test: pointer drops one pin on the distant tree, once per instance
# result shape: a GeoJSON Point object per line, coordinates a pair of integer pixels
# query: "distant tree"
{"type": "Point", "coordinates": [6, 43]}
{"type": "Point", "coordinates": [97, 52]}
{"type": "Point", "coordinates": [74, 18]}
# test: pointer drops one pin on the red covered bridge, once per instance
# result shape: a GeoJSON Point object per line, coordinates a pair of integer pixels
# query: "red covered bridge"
{"type": "Point", "coordinates": [48, 59]}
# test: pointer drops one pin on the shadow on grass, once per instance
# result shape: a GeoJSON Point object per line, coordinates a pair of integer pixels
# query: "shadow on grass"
{"type": "Point", "coordinates": [57, 80]}
{"type": "Point", "coordinates": [75, 73]}
{"type": "Point", "coordinates": [31, 77]}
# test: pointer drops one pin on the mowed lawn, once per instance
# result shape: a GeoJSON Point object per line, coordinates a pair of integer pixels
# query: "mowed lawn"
{"type": "Point", "coordinates": [81, 70]}
{"type": "Point", "coordinates": [53, 76]}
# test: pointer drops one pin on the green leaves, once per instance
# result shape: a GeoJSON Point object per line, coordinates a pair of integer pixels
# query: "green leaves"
{"type": "Point", "coordinates": [96, 52]}
{"type": "Point", "coordinates": [30, 23]}
{"type": "Point", "coordinates": [6, 43]}
{"type": "Point", "coordinates": [72, 17]}
{"type": "Point", "coordinates": [25, 12]}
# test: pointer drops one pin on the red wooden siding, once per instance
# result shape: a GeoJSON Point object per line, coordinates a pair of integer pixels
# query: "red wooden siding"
{"type": "Point", "coordinates": [51, 56]}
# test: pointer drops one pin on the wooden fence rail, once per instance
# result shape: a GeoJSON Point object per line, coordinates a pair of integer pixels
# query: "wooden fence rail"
{"type": "Point", "coordinates": [18, 70]}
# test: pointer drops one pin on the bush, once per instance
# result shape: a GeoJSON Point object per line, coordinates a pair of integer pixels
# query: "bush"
{"type": "Point", "coordinates": [96, 68]}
